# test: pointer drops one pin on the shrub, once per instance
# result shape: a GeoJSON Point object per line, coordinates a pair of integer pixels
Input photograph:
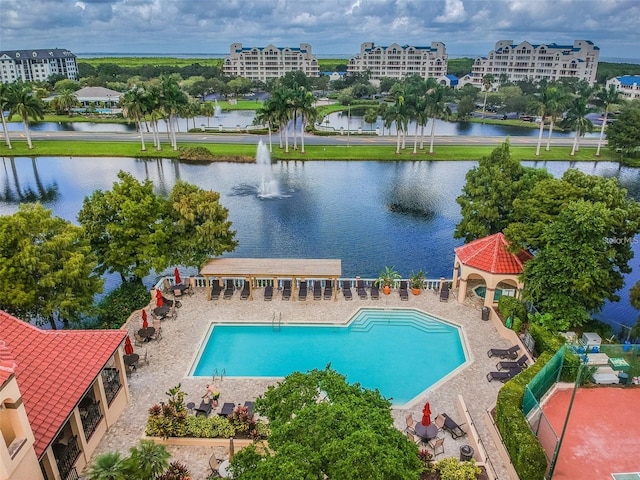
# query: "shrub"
{"type": "Point", "coordinates": [208, 427]}
{"type": "Point", "coordinates": [546, 341]}
{"type": "Point", "coordinates": [176, 471]}
{"type": "Point", "coordinates": [453, 469]}
{"type": "Point", "coordinates": [512, 307]}
{"type": "Point", "coordinates": [115, 307]}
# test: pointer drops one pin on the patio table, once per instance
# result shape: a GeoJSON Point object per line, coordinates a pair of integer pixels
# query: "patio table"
{"type": "Point", "coordinates": [426, 433]}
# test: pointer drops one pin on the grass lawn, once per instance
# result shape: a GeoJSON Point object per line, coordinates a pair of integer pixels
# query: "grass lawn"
{"type": "Point", "coordinates": [313, 152]}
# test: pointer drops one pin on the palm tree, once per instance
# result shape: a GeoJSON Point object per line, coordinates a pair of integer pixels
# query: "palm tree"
{"type": "Point", "coordinates": [208, 109]}
{"type": "Point", "coordinates": [21, 101]}
{"type": "Point", "coordinates": [267, 115]}
{"type": "Point", "coordinates": [108, 466]}
{"type": "Point", "coordinates": [133, 107]}
{"type": "Point", "coordinates": [4, 104]}
{"type": "Point", "coordinates": [282, 113]}
{"type": "Point", "coordinates": [171, 101]}
{"type": "Point", "coordinates": [148, 460]}
{"type": "Point", "coordinates": [66, 100]}
{"type": "Point", "coordinates": [397, 114]}
{"type": "Point", "coordinates": [437, 107]}
{"type": "Point", "coordinates": [548, 100]}
{"type": "Point", "coordinates": [487, 82]}
{"type": "Point", "coordinates": [308, 113]}
{"type": "Point", "coordinates": [555, 107]}
{"type": "Point", "coordinates": [421, 116]}
{"type": "Point", "coordinates": [153, 107]}
{"type": "Point", "coordinates": [608, 97]}
{"type": "Point", "coordinates": [576, 119]}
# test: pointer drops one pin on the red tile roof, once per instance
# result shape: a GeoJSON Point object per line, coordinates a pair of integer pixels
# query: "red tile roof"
{"type": "Point", "coordinates": [54, 370]}
{"type": "Point", "coordinates": [491, 254]}
{"type": "Point", "coordinates": [7, 363]}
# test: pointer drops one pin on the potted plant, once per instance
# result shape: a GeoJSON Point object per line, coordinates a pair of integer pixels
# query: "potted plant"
{"type": "Point", "coordinates": [386, 279]}
{"type": "Point", "coordinates": [416, 281]}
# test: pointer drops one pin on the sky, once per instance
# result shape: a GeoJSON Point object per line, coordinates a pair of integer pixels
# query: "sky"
{"type": "Point", "coordinates": [332, 27]}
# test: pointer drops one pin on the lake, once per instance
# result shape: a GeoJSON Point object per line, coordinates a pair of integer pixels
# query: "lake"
{"type": "Point", "coordinates": [369, 214]}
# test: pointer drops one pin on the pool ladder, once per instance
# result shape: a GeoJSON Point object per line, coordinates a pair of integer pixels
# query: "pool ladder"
{"type": "Point", "coordinates": [276, 321]}
{"type": "Point", "coordinates": [216, 374]}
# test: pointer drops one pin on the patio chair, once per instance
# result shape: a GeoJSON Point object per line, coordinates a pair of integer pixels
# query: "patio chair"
{"type": "Point", "coordinates": [375, 293]}
{"type": "Point", "coordinates": [503, 375]}
{"type": "Point", "coordinates": [216, 290]}
{"type": "Point", "coordinates": [138, 341]}
{"type": "Point", "coordinates": [504, 352]}
{"type": "Point", "coordinates": [362, 292]}
{"type": "Point", "coordinates": [346, 290]}
{"type": "Point", "coordinates": [444, 292]}
{"type": "Point", "coordinates": [268, 293]}
{"type": "Point", "coordinates": [506, 365]}
{"type": "Point", "coordinates": [410, 424]}
{"type": "Point", "coordinates": [437, 445]}
{"type": "Point", "coordinates": [413, 438]}
{"type": "Point", "coordinates": [328, 290]}
{"type": "Point", "coordinates": [244, 294]}
{"type": "Point", "coordinates": [171, 303]}
{"type": "Point", "coordinates": [214, 463]}
{"type": "Point", "coordinates": [403, 291]}
{"type": "Point", "coordinates": [286, 290]}
{"type": "Point", "coordinates": [302, 292]}
{"type": "Point", "coordinates": [228, 291]}
{"type": "Point", "coordinates": [190, 283]}
{"type": "Point", "coordinates": [439, 422]}
{"type": "Point", "coordinates": [451, 426]}
{"type": "Point", "coordinates": [317, 290]}
{"type": "Point", "coordinates": [157, 324]}
{"type": "Point", "coordinates": [166, 286]}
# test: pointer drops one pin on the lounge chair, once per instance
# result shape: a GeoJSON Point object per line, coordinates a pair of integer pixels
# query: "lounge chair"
{"type": "Point", "coordinates": [302, 292]}
{"type": "Point", "coordinates": [328, 290]}
{"type": "Point", "coordinates": [244, 294]}
{"type": "Point", "coordinates": [286, 290]}
{"type": "Point", "coordinates": [375, 293]}
{"type": "Point", "coordinates": [227, 409]}
{"type": "Point", "coordinates": [453, 427]}
{"type": "Point", "coordinates": [504, 352]}
{"type": "Point", "coordinates": [204, 409]}
{"type": "Point", "coordinates": [444, 292]}
{"type": "Point", "coordinates": [346, 290]}
{"type": "Point", "coordinates": [250, 406]}
{"type": "Point", "coordinates": [503, 375]}
{"type": "Point", "coordinates": [268, 293]}
{"type": "Point", "coordinates": [362, 292]}
{"type": "Point", "coordinates": [404, 292]}
{"type": "Point", "coordinates": [317, 290]}
{"type": "Point", "coordinates": [170, 303]}
{"type": "Point", "coordinates": [228, 291]}
{"type": "Point", "coordinates": [216, 290]}
{"type": "Point", "coordinates": [506, 365]}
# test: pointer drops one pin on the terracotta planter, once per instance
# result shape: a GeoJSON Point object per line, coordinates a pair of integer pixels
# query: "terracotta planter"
{"type": "Point", "coordinates": [386, 289]}
{"type": "Point", "coordinates": [416, 291]}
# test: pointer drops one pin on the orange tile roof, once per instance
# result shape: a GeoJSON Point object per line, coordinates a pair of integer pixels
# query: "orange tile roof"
{"type": "Point", "coordinates": [491, 254]}
{"type": "Point", "coordinates": [54, 370]}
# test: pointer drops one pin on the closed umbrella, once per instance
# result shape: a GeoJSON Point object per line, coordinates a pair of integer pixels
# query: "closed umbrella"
{"type": "Point", "coordinates": [159, 300]}
{"type": "Point", "coordinates": [128, 348]}
{"type": "Point", "coordinates": [145, 324]}
{"type": "Point", "coordinates": [176, 274]}
{"type": "Point", "coordinates": [231, 449]}
{"type": "Point", "coordinates": [426, 415]}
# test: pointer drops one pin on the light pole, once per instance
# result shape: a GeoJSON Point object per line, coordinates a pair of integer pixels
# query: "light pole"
{"type": "Point", "coordinates": [348, 122]}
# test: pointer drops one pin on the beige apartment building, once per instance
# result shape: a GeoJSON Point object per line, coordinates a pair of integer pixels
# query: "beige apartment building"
{"type": "Point", "coordinates": [527, 61]}
{"type": "Point", "coordinates": [264, 63]}
{"type": "Point", "coordinates": [627, 85]}
{"type": "Point", "coordinates": [36, 65]}
{"type": "Point", "coordinates": [396, 61]}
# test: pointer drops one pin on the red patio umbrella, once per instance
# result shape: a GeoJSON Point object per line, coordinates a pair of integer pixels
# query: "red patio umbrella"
{"type": "Point", "coordinates": [176, 274]}
{"type": "Point", "coordinates": [145, 324]}
{"type": "Point", "coordinates": [159, 301]}
{"type": "Point", "coordinates": [426, 415]}
{"type": "Point", "coordinates": [128, 348]}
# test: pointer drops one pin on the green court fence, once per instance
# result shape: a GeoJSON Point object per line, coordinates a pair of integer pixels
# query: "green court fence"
{"type": "Point", "coordinates": [542, 382]}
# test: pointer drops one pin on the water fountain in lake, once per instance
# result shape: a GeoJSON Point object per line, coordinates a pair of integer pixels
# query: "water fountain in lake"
{"type": "Point", "coordinates": [269, 187]}
{"type": "Point", "coordinates": [216, 109]}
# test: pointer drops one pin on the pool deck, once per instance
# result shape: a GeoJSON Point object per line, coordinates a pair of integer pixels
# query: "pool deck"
{"type": "Point", "coordinates": [172, 357]}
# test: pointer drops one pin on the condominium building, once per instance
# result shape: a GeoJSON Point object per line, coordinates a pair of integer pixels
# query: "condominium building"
{"type": "Point", "coordinates": [627, 85]}
{"type": "Point", "coordinates": [36, 65]}
{"type": "Point", "coordinates": [546, 61]}
{"type": "Point", "coordinates": [396, 61]}
{"type": "Point", "coordinates": [264, 63]}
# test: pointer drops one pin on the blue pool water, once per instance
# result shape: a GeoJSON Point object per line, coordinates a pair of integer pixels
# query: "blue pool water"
{"type": "Point", "coordinates": [399, 352]}
{"type": "Point", "coordinates": [481, 291]}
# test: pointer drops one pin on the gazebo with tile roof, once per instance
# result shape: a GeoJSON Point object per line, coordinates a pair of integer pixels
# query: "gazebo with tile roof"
{"type": "Point", "coordinates": [488, 259]}
{"type": "Point", "coordinates": [68, 386]}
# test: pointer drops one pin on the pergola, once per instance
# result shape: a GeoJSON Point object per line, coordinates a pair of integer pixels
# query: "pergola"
{"type": "Point", "coordinates": [274, 269]}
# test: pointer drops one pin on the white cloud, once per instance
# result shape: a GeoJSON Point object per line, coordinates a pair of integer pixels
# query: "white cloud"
{"type": "Point", "coordinates": [453, 12]}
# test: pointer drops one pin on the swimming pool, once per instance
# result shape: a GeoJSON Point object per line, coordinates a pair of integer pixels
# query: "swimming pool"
{"type": "Point", "coordinates": [401, 352]}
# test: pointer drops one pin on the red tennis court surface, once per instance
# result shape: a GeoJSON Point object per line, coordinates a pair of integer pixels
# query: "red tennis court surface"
{"type": "Point", "coordinates": [603, 433]}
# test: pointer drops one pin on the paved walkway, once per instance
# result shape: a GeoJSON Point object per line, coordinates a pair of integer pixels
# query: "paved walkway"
{"type": "Point", "coordinates": [171, 358]}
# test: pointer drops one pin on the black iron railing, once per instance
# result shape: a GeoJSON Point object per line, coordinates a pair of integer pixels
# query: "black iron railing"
{"type": "Point", "coordinates": [72, 475]}
{"type": "Point", "coordinates": [111, 381]}
{"type": "Point", "coordinates": [91, 416]}
{"type": "Point", "coordinates": [67, 457]}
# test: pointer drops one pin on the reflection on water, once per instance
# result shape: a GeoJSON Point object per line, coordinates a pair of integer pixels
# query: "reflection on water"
{"type": "Point", "coordinates": [368, 214]}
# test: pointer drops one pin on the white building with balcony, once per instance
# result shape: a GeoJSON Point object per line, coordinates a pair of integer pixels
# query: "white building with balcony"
{"type": "Point", "coordinates": [536, 62]}
{"type": "Point", "coordinates": [36, 65]}
{"type": "Point", "coordinates": [264, 63]}
{"type": "Point", "coordinates": [396, 61]}
{"type": "Point", "coordinates": [627, 85]}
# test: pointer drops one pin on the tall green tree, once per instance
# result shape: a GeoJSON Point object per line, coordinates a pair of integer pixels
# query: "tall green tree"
{"type": "Point", "coordinates": [438, 108]}
{"type": "Point", "coordinates": [108, 466]}
{"type": "Point", "coordinates": [489, 192]}
{"type": "Point", "coordinates": [606, 97]}
{"type": "Point", "coordinates": [23, 102]}
{"type": "Point", "coordinates": [47, 269]}
{"type": "Point", "coordinates": [147, 460]}
{"type": "Point", "coordinates": [66, 100]}
{"type": "Point", "coordinates": [487, 83]}
{"type": "Point", "coordinates": [323, 427]}
{"type": "Point", "coordinates": [624, 134]}
{"type": "Point", "coordinates": [4, 105]}
{"type": "Point", "coordinates": [577, 119]}
{"type": "Point", "coordinates": [134, 105]}
{"type": "Point", "coordinates": [134, 231]}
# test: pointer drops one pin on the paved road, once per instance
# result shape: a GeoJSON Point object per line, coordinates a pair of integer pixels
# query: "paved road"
{"type": "Point", "coordinates": [308, 139]}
